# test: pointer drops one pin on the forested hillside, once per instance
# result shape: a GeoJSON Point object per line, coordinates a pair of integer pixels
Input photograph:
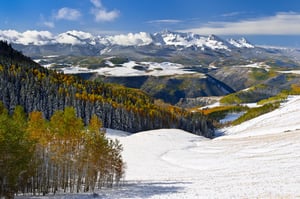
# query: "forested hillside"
{"type": "Point", "coordinates": [25, 83]}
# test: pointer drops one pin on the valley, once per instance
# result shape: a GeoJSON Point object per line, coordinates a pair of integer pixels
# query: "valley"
{"type": "Point", "coordinates": [194, 97]}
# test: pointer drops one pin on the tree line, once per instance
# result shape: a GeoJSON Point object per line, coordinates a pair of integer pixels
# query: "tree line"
{"type": "Point", "coordinates": [23, 82]}
{"type": "Point", "coordinates": [40, 157]}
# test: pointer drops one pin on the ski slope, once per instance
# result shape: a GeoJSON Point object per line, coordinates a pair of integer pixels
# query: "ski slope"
{"type": "Point", "coordinates": [257, 159]}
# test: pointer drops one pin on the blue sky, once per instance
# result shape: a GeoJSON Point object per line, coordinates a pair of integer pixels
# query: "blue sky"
{"type": "Point", "coordinates": [270, 22]}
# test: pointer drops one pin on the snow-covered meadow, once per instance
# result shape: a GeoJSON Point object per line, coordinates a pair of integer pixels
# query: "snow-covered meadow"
{"type": "Point", "coordinates": [129, 69]}
{"type": "Point", "coordinates": [257, 159]}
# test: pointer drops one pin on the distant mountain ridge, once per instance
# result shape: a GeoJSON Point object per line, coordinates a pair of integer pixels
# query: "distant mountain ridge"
{"type": "Point", "coordinates": [178, 47]}
{"type": "Point", "coordinates": [164, 38]}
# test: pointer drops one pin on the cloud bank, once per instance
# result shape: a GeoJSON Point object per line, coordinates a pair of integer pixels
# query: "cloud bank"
{"type": "Point", "coordinates": [73, 37]}
{"type": "Point", "coordinates": [284, 23]}
{"type": "Point", "coordinates": [28, 37]}
{"type": "Point", "coordinates": [131, 39]}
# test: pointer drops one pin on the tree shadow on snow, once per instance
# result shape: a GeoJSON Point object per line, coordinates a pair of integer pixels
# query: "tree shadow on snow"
{"type": "Point", "coordinates": [127, 190]}
{"type": "Point", "coordinates": [143, 190]}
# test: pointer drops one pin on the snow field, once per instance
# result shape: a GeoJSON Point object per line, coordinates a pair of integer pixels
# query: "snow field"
{"type": "Point", "coordinates": [171, 163]}
{"type": "Point", "coordinates": [257, 159]}
{"type": "Point", "coordinates": [128, 69]}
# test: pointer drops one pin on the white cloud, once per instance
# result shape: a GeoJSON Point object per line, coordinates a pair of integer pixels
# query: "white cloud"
{"type": "Point", "coordinates": [97, 3]}
{"type": "Point", "coordinates": [101, 14]}
{"type": "Point", "coordinates": [67, 14]}
{"type": "Point", "coordinates": [46, 22]}
{"type": "Point", "coordinates": [27, 37]}
{"type": "Point", "coordinates": [49, 24]}
{"type": "Point", "coordinates": [284, 23]}
{"type": "Point", "coordinates": [165, 21]}
{"type": "Point", "coordinates": [9, 35]}
{"type": "Point", "coordinates": [231, 14]}
{"type": "Point", "coordinates": [130, 39]}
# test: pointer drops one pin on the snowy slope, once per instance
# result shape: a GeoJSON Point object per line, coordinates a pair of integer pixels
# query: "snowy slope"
{"type": "Point", "coordinates": [174, 164]}
{"type": "Point", "coordinates": [280, 120]}
{"type": "Point", "coordinates": [241, 43]}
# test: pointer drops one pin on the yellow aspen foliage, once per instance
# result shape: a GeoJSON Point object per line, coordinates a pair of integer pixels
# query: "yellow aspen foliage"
{"type": "Point", "coordinates": [37, 128]}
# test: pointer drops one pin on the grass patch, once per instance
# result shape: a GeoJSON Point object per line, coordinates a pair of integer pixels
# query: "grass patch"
{"type": "Point", "coordinates": [295, 89]}
{"type": "Point", "coordinates": [260, 74]}
{"type": "Point", "coordinates": [231, 99]}
{"type": "Point", "coordinates": [282, 96]}
{"type": "Point", "coordinates": [219, 109]}
{"type": "Point", "coordinates": [277, 98]}
{"type": "Point", "coordinates": [251, 95]}
{"type": "Point", "coordinates": [255, 112]}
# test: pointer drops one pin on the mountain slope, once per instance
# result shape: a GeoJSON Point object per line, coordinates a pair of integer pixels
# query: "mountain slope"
{"type": "Point", "coordinates": [23, 82]}
{"type": "Point", "coordinates": [173, 88]}
{"type": "Point", "coordinates": [278, 121]}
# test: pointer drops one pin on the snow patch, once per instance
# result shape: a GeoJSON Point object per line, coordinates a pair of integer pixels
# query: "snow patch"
{"type": "Point", "coordinates": [290, 72]}
{"type": "Point", "coordinates": [255, 65]}
{"type": "Point", "coordinates": [131, 68]}
{"type": "Point", "coordinates": [231, 117]}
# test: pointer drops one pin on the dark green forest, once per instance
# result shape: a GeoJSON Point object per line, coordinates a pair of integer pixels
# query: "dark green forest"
{"type": "Point", "coordinates": [25, 83]}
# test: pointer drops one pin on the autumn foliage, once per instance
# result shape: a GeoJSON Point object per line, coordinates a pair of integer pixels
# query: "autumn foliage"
{"type": "Point", "coordinates": [42, 157]}
{"type": "Point", "coordinates": [25, 83]}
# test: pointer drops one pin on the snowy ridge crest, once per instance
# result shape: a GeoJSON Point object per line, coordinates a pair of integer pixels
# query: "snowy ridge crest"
{"type": "Point", "coordinates": [241, 43]}
{"type": "Point", "coordinates": [164, 38]}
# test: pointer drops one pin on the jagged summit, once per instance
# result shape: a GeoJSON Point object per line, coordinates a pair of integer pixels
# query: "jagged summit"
{"type": "Point", "coordinates": [241, 43]}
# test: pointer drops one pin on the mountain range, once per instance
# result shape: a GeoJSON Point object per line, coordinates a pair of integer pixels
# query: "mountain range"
{"type": "Point", "coordinates": [164, 38]}
{"type": "Point", "coordinates": [177, 47]}
{"type": "Point", "coordinates": [172, 66]}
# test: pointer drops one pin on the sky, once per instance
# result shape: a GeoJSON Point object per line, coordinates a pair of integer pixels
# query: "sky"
{"type": "Point", "coordinates": [264, 22]}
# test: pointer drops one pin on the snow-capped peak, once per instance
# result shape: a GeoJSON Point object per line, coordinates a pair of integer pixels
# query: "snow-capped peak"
{"type": "Point", "coordinates": [190, 39]}
{"type": "Point", "coordinates": [75, 37]}
{"type": "Point", "coordinates": [241, 43]}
